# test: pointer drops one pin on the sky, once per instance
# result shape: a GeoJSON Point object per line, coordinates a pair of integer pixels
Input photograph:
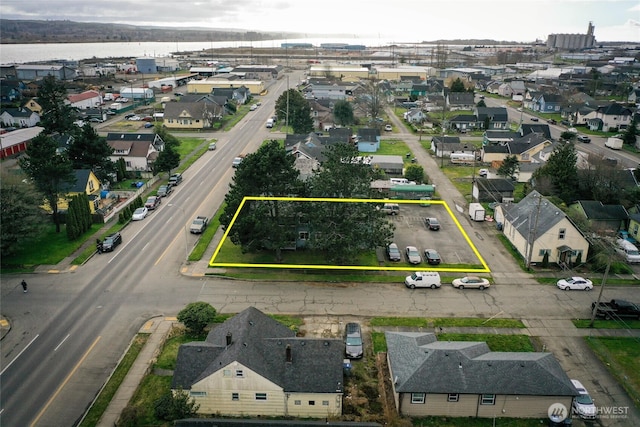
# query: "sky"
{"type": "Point", "coordinates": [409, 21]}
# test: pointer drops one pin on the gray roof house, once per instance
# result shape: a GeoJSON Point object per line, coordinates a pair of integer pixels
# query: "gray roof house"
{"type": "Point", "coordinates": [499, 119]}
{"type": "Point", "coordinates": [536, 227]}
{"type": "Point", "coordinates": [603, 217]}
{"type": "Point", "coordinates": [139, 150]}
{"type": "Point", "coordinates": [460, 101]}
{"type": "Point", "coordinates": [19, 117]}
{"type": "Point", "coordinates": [489, 190]}
{"type": "Point", "coordinates": [253, 365]}
{"type": "Point", "coordinates": [466, 379]}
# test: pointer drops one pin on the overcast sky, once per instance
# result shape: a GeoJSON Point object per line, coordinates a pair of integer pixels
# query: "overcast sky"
{"type": "Point", "coordinates": [403, 21]}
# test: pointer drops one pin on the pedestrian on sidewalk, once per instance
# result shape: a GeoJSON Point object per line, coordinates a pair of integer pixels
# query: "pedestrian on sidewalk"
{"type": "Point", "coordinates": [24, 286]}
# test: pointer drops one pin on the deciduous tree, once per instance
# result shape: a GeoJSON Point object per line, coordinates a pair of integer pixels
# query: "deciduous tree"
{"type": "Point", "coordinates": [196, 316]}
{"type": "Point", "coordinates": [292, 108]}
{"type": "Point", "coordinates": [509, 167]}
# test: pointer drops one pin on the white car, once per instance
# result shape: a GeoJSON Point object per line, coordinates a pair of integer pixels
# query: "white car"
{"type": "Point", "coordinates": [583, 405]}
{"type": "Point", "coordinates": [388, 128]}
{"type": "Point", "coordinates": [413, 256]}
{"type": "Point", "coordinates": [139, 214]}
{"type": "Point", "coordinates": [471, 282]}
{"type": "Point", "coordinates": [579, 283]}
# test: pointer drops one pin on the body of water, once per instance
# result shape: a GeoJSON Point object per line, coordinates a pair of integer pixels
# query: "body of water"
{"type": "Point", "coordinates": [25, 53]}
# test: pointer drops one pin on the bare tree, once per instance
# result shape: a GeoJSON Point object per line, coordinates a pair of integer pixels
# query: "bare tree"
{"type": "Point", "coordinates": [371, 100]}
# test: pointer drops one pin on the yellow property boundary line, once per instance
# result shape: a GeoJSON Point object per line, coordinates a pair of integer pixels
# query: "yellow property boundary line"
{"type": "Point", "coordinates": [212, 262]}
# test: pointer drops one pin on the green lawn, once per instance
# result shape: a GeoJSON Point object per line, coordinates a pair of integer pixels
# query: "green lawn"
{"type": "Point", "coordinates": [607, 324]}
{"type": "Point", "coordinates": [517, 343]}
{"type": "Point", "coordinates": [426, 322]}
{"type": "Point", "coordinates": [621, 356]}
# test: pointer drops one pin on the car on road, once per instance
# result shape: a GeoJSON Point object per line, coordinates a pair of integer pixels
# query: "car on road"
{"type": "Point", "coordinates": [212, 146]}
{"type": "Point", "coordinates": [139, 214]}
{"type": "Point", "coordinates": [423, 279]}
{"type": "Point", "coordinates": [111, 242]}
{"type": "Point", "coordinates": [584, 138]}
{"type": "Point", "coordinates": [254, 107]}
{"type": "Point", "coordinates": [354, 346]}
{"type": "Point", "coordinates": [148, 125]}
{"type": "Point", "coordinates": [388, 128]}
{"type": "Point", "coordinates": [413, 256]}
{"type": "Point", "coordinates": [152, 202]}
{"type": "Point", "coordinates": [573, 130]}
{"type": "Point", "coordinates": [95, 120]}
{"type": "Point", "coordinates": [552, 121]}
{"type": "Point", "coordinates": [535, 119]}
{"type": "Point", "coordinates": [393, 252]}
{"type": "Point", "coordinates": [432, 256]}
{"type": "Point", "coordinates": [236, 161]}
{"type": "Point", "coordinates": [575, 283]}
{"type": "Point", "coordinates": [178, 94]}
{"type": "Point", "coordinates": [164, 190]}
{"type": "Point", "coordinates": [583, 405]}
{"type": "Point", "coordinates": [471, 282]}
{"type": "Point", "coordinates": [565, 122]}
{"type": "Point", "coordinates": [175, 179]}
{"type": "Point", "coordinates": [432, 224]}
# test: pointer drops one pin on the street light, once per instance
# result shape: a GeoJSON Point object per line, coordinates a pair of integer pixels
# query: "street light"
{"type": "Point", "coordinates": [186, 235]}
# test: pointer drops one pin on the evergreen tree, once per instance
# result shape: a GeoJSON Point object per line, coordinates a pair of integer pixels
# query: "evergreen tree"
{"type": "Point", "coordinates": [88, 150]}
{"type": "Point", "coordinates": [562, 171]}
{"type": "Point", "coordinates": [343, 112]}
{"type": "Point", "coordinates": [57, 114]}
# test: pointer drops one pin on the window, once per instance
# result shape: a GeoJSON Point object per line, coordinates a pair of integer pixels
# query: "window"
{"type": "Point", "coordinates": [562, 233]}
{"type": "Point", "coordinates": [197, 393]}
{"type": "Point", "coordinates": [226, 373]}
{"type": "Point", "coordinates": [453, 397]}
{"type": "Point", "coordinates": [297, 402]}
{"type": "Point", "coordinates": [303, 235]}
{"type": "Point", "coordinates": [488, 399]}
{"type": "Point", "coordinates": [417, 397]}
{"type": "Point", "coordinates": [239, 373]}
{"type": "Point", "coordinates": [235, 396]}
{"type": "Point", "coordinates": [543, 252]}
{"type": "Point", "coordinates": [91, 185]}
{"type": "Point", "coordinates": [261, 396]}
{"type": "Point", "coordinates": [576, 252]}
{"type": "Point", "coordinates": [325, 403]}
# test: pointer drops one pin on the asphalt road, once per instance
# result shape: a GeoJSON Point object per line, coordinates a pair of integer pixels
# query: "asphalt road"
{"type": "Point", "coordinates": [70, 330]}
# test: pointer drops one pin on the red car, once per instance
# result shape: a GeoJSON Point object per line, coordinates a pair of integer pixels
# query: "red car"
{"type": "Point", "coordinates": [152, 202]}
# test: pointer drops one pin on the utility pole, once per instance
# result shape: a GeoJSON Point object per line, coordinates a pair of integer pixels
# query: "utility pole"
{"type": "Point", "coordinates": [286, 124]}
{"type": "Point", "coordinates": [604, 281]}
{"type": "Point", "coordinates": [532, 232]}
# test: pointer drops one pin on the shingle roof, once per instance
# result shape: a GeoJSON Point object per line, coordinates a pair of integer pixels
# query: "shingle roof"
{"type": "Point", "coordinates": [421, 364]}
{"type": "Point", "coordinates": [595, 210]}
{"type": "Point", "coordinates": [533, 212]}
{"type": "Point", "coordinates": [536, 128]}
{"type": "Point", "coordinates": [260, 343]}
{"type": "Point", "coordinates": [497, 114]}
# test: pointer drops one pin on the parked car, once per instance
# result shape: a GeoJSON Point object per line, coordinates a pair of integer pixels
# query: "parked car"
{"type": "Point", "coordinates": [212, 146]}
{"type": "Point", "coordinates": [393, 252]}
{"type": "Point", "coordinates": [390, 208]}
{"type": "Point", "coordinates": [552, 121]}
{"type": "Point", "coordinates": [95, 120]}
{"type": "Point", "coordinates": [583, 405]}
{"type": "Point", "coordinates": [354, 347]}
{"type": "Point", "coordinates": [413, 256]}
{"type": "Point", "coordinates": [616, 309]}
{"type": "Point", "coordinates": [254, 107]}
{"type": "Point", "coordinates": [432, 256]}
{"type": "Point", "coordinates": [565, 122]}
{"type": "Point", "coordinates": [110, 242]}
{"type": "Point", "coordinates": [432, 224]}
{"type": "Point", "coordinates": [175, 179]}
{"type": "Point", "coordinates": [139, 214]}
{"type": "Point", "coordinates": [148, 125]}
{"type": "Point", "coordinates": [584, 138]}
{"type": "Point", "coordinates": [199, 224]}
{"type": "Point", "coordinates": [388, 128]}
{"type": "Point", "coordinates": [152, 202]}
{"type": "Point", "coordinates": [128, 116]}
{"type": "Point", "coordinates": [483, 173]}
{"type": "Point", "coordinates": [423, 279]}
{"type": "Point", "coordinates": [135, 118]}
{"type": "Point", "coordinates": [578, 283]}
{"type": "Point", "coordinates": [534, 119]}
{"type": "Point", "coordinates": [471, 282]}
{"type": "Point", "coordinates": [164, 190]}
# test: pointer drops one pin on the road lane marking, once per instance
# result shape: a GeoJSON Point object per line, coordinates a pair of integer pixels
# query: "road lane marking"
{"type": "Point", "coordinates": [23, 350]}
{"type": "Point", "coordinates": [66, 380]}
{"type": "Point", "coordinates": [61, 342]}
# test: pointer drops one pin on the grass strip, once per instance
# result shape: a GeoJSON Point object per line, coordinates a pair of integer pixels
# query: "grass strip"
{"type": "Point", "coordinates": [426, 322]}
{"type": "Point", "coordinates": [607, 324]}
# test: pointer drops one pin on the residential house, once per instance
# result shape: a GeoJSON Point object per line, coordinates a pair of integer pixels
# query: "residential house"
{"type": "Point", "coordinates": [489, 190]}
{"type": "Point", "coordinates": [536, 227]}
{"type": "Point", "coordinates": [33, 105]}
{"type": "Point", "coordinates": [86, 99]}
{"type": "Point", "coordinates": [460, 101]}
{"type": "Point", "coordinates": [524, 148]}
{"type": "Point", "coordinates": [614, 117]}
{"type": "Point", "coordinates": [217, 105]}
{"type": "Point", "coordinates": [547, 103]}
{"type": "Point", "coordinates": [527, 169]}
{"type": "Point", "coordinates": [239, 94]}
{"type": "Point", "coordinates": [19, 117]}
{"type": "Point", "coordinates": [14, 143]}
{"type": "Point", "coordinates": [389, 164]}
{"type": "Point", "coordinates": [443, 146]}
{"type": "Point", "coordinates": [415, 115]}
{"type": "Point", "coordinates": [191, 115]}
{"type": "Point", "coordinates": [467, 379]}
{"type": "Point", "coordinates": [634, 222]}
{"type": "Point", "coordinates": [368, 140]}
{"type": "Point", "coordinates": [322, 113]}
{"type": "Point", "coordinates": [463, 122]}
{"type": "Point", "coordinates": [493, 137]}
{"type": "Point", "coordinates": [139, 150]}
{"type": "Point", "coordinates": [418, 90]}
{"type": "Point", "coordinates": [253, 365]}
{"type": "Point", "coordinates": [543, 129]}
{"type": "Point", "coordinates": [497, 116]}
{"type": "Point", "coordinates": [634, 96]}
{"type": "Point", "coordinates": [85, 182]}
{"type": "Point", "coordinates": [493, 87]}
{"type": "Point", "coordinates": [605, 218]}
{"type": "Point", "coordinates": [514, 90]}
{"type": "Point", "coordinates": [333, 91]}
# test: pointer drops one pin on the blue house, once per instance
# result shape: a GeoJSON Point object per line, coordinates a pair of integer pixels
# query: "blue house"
{"type": "Point", "coordinates": [548, 103]}
{"type": "Point", "coordinates": [368, 140]}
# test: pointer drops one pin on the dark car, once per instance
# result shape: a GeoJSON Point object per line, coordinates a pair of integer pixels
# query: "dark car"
{"type": "Point", "coordinates": [393, 252]}
{"type": "Point", "coordinates": [552, 121]}
{"type": "Point", "coordinates": [152, 202]}
{"type": "Point", "coordinates": [534, 119]}
{"type": "Point", "coordinates": [565, 122]}
{"type": "Point", "coordinates": [128, 116]}
{"type": "Point", "coordinates": [110, 242]}
{"type": "Point", "coordinates": [432, 224]}
{"type": "Point", "coordinates": [164, 190]}
{"type": "Point", "coordinates": [432, 256]}
{"type": "Point", "coordinates": [354, 348]}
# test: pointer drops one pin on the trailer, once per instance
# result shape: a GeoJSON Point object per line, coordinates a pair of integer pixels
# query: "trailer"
{"type": "Point", "coordinates": [462, 158]}
{"type": "Point", "coordinates": [476, 212]}
{"type": "Point", "coordinates": [614, 142]}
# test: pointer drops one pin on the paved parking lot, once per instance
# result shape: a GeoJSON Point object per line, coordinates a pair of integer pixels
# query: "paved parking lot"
{"type": "Point", "coordinates": [448, 241]}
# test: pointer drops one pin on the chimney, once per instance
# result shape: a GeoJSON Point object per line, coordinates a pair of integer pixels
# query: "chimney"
{"type": "Point", "coordinates": [288, 353]}
{"type": "Point", "coordinates": [228, 339]}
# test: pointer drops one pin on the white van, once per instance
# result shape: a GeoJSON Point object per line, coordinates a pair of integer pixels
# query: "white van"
{"type": "Point", "coordinates": [401, 181]}
{"type": "Point", "coordinates": [628, 250]}
{"type": "Point", "coordinates": [423, 279]}
{"type": "Point", "coordinates": [269, 124]}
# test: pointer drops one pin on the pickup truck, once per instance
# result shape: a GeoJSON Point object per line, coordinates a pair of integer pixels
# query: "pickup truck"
{"type": "Point", "coordinates": [616, 308]}
{"type": "Point", "coordinates": [199, 224]}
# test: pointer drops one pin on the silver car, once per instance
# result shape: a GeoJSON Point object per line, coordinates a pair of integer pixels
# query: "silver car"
{"type": "Point", "coordinates": [413, 255]}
